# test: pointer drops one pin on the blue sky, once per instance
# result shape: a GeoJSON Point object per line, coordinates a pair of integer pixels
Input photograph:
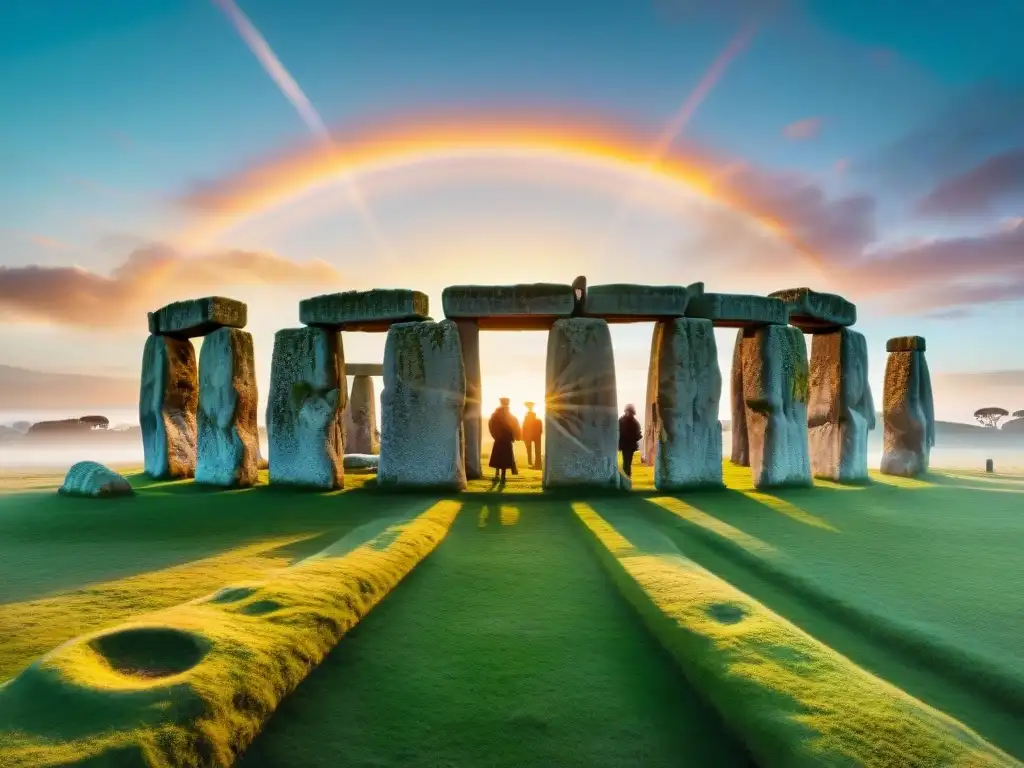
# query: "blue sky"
{"type": "Point", "coordinates": [113, 110]}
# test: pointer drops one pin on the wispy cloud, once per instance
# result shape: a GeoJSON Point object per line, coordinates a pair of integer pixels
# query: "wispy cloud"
{"type": "Point", "coordinates": [149, 277]}
{"type": "Point", "coordinates": [42, 241]}
{"type": "Point", "coordinates": [977, 190]}
{"type": "Point", "coordinates": [803, 129]}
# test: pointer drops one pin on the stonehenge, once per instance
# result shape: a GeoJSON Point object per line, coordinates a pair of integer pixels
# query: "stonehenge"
{"type": "Point", "coordinates": [908, 411]}
{"type": "Point", "coordinates": [794, 417]}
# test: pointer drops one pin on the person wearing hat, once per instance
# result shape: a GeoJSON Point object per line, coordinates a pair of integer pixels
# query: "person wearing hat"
{"type": "Point", "coordinates": [504, 428]}
{"type": "Point", "coordinates": [630, 435]}
{"type": "Point", "coordinates": [533, 428]}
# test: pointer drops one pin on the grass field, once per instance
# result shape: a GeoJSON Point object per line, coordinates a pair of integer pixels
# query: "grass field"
{"type": "Point", "coordinates": [510, 645]}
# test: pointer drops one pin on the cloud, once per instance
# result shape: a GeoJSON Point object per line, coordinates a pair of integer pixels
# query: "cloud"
{"type": "Point", "coordinates": [803, 129]}
{"type": "Point", "coordinates": [150, 276]}
{"type": "Point", "coordinates": [976, 191]}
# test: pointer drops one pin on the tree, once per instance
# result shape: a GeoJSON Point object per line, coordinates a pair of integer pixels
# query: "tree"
{"type": "Point", "coordinates": [97, 422]}
{"type": "Point", "coordinates": [1018, 414]}
{"type": "Point", "coordinates": [990, 416]}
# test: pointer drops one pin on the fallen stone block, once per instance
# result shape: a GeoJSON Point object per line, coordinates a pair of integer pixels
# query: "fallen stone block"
{"type": "Point", "coordinates": [732, 310]}
{"type": "Point", "coordinates": [308, 393]}
{"type": "Point", "coordinates": [168, 396]}
{"type": "Point", "coordinates": [635, 303]}
{"type": "Point", "coordinates": [364, 369]}
{"type": "Point", "coordinates": [229, 440]}
{"type": "Point", "coordinates": [423, 403]}
{"type": "Point", "coordinates": [530, 306]}
{"type": "Point", "coordinates": [814, 312]}
{"type": "Point", "coordinates": [906, 409]}
{"type": "Point", "coordinates": [369, 311]}
{"type": "Point", "coordinates": [361, 417]}
{"type": "Point", "coordinates": [905, 344]}
{"type": "Point", "coordinates": [775, 390]}
{"type": "Point", "coordinates": [738, 420]}
{"type": "Point", "coordinates": [198, 317]}
{"type": "Point", "coordinates": [841, 409]}
{"type": "Point", "coordinates": [581, 427]}
{"type": "Point", "coordinates": [689, 390]}
{"type": "Point", "coordinates": [93, 480]}
{"type": "Point", "coordinates": [469, 339]}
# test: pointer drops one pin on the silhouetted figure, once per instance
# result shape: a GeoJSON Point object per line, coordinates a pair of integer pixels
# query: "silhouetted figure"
{"type": "Point", "coordinates": [533, 428]}
{"type": "Point", "coordinates": [504, 428]}
{"type": "Point", "coordinates": [630, 434]}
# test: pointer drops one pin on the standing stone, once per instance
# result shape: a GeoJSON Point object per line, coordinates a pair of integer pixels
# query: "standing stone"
{"type": "Point", "coordinates": [581, 411]}
{"type": "Point", "coordinates": [841, 410]}
{"type": "Point", "coordinates": [740, 444]}
{"type": "Point", "coordinates": [907, 409]}
{"type": "Point", "coordinates": [424, 401]}
{"type": "Point", "coordinates": [229, 441]}
{"type": "Point", "coordinates": [361, 418]}
{"type": "Point", "coordinates": [167, 407]}
{"type": "Point", "coordinates": [305, 426]}
{"type": "Point", "coordinates": [775, 388]}
{"type": "Point", "coordinates": [689, 391]}
{"type": "Point", "coordinates": [469, 338]}
{"type": "Point", "coordinates": [651, 421]}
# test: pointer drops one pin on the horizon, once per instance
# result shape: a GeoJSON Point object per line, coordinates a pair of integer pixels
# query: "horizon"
{"type": "Point", "coordinates": [270, 154]}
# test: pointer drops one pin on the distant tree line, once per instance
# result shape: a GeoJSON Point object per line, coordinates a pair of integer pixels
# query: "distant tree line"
{"type": "Point", "coordinates": [990, 415]}
{"type": "Point", "coordinates": [69, 426]}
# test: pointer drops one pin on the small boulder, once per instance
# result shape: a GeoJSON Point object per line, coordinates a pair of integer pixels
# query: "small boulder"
{"type": "Point", "coordinates": [373, 311]}
{"type": "Point", "coordinates": [93, 480]}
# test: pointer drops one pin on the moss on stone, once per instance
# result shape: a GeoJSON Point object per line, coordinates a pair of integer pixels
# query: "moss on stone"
{"type": "Point", "coordinates": [354, 308]}
{"type": "Point", "coordinates": [464, 301]}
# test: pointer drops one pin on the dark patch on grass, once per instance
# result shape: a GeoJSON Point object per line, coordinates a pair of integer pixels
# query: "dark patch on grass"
{"type": "Point", "coordinates": [726, 613]}
{"type": "Point", "coordinates": [151, 652]}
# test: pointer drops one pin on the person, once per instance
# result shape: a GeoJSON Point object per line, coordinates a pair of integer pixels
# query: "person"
{"type": "Point", "coordinates": [629, 438]}
{"type": "Point", "coordinates": [504, 428]}
{"type": "Point", "coordinates": [533, 428]}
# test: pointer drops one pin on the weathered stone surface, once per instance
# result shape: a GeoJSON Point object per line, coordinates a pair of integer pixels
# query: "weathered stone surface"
{"type": "Point", "coordinates": [308, 393]}
{"type": "Point", "coordinates": [695, 289]}
{"type": "Point", "coordinates": [469, 338]}
{"type": "Point", "coordinates": [198, 317]}
{"type": "Point", "coordinates": [905, 344]}
{"type": "Point", "coordinates": [361, 462]}
{"type": "Point", "coordinates": [168, 396]}
{"type": "Point", "coordinates": [361, 418]}
{"type": "Point", "coordinates": [364, 369]}
{"type": "Point", "coordinates": [229, 440]}
{"type": "Point", "coordinates": [581, 412]}
{"type": "Point", "coordinates": [775, 389]}
{"type": "Point", "coordinates": [732, 310]}
{"type": "Point", "coordinates": [529, 306]}
{"type": "Point", "coordinates": [738, 419]}
{"type": "Point", "coordinates": [841, 410]}
{"type": "Point", "coordinates": [814, 312]}
{"type": "Point", "coordinates": [423, 404]}
{"type": "Point", "coordinates": [906, 403]}
{"type": "Point", "coordinates": [652, 425]}
{"type": "Point", "coordinates": [371, 311]}
{"type": "Point", "coordinates": [928, 402]}
{"type": "Point", "coordinates": [579, 294]}
{"type": "Point", "coordinates": [689, 390]}
{"type": "Point", "coordinates": [621, 302]}
{"type": "Point", "coordinates": [87, 478]}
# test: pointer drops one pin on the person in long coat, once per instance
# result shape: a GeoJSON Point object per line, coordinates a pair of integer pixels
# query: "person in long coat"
{"type": "Point", "coordinates": [533, 428]}
{"type": "Point", "coordinates": [630, 434]}
{"type": "Point", "coordinates": [504, 428]}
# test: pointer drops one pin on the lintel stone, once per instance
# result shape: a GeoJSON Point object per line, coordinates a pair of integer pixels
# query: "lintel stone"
{"type": "Point", "coordinates": [814, 312]}
{"type": "Point", "coordinates": [364, 369]}
{"type": "Point", "coordinates": [197, 317]}
{"type": "Point", "coordinates": [905, 344]}
{"type": "Point", "coordinates": [624, 303]}
{"type": "Point", "coordinates": [369, 311]}
{"type": "Point", "coordinates": [733, 310]}
{"type": "Point", "coordinates": [527, 306]}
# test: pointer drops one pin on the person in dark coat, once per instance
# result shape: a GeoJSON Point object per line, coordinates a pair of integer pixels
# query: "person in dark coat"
{"type": "Point", "coordinates": [504, 428]}
{"type": "Point", "coordinates": [533, 428]}
{"type": "Point", "coordinates": [630, 435]}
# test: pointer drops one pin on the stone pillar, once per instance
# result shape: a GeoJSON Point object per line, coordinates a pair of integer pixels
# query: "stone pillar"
{"type": "Point", "coordinates": [908, 411]}
{"type": "Point", "coordinates": [168, 396]}
{"type": "Point", "coordinates": [305, 427]}
{"type": "Point", "coordinates": [651, 420]}
{"type": "Point", "coordinates": [689, 390]}
{"type": "Point", "coordinates": [775, 388]}
{"type": "Point", "coordinates": [423, 405]}
{"type": "Point", "coordinates": [841, 410]}
{"type": "Point", "coordinates": [228, 444]}
{"type": "Point", "coordinates": [581, 410]}
{"type": "Point", "coordinates": [740, 454]}
{"type": "Point", "coordinates": [361, 418]}
{"type": "Point", "coordinates": [469, 338]}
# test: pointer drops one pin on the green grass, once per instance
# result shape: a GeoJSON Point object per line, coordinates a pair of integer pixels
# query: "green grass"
{"type": "Point", "coordinates": [508, 646]}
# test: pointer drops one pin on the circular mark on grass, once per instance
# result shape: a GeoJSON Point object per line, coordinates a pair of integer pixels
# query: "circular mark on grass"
{"type": "Point", "coordinates": [232, 594]}
{"type": "Point", "coordinates": [726, 613]}
{"type": "Point", "coordinates": [151, 651]}
{"type": "Point", "coordinates": [260, 607]}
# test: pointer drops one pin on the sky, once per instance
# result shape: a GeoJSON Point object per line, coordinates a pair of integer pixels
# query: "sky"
{"type": "Point", "coordinates": [159, 150]}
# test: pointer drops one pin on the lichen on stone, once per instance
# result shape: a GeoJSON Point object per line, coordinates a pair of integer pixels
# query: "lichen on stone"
{"type": "Point", "coordinates": [471, 301]}
{"type": "Point", "coordinates": [626, 300]}
{"type": "Point", "coordinates": [364, 308]}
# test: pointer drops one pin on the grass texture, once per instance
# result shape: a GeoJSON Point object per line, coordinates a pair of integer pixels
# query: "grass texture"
{"type": "Point", "coordinates": [192, 684]}
{"type": "Point", "coordinates": [793, 700]}
{"type": "Point", "coordinates": [508, 647]}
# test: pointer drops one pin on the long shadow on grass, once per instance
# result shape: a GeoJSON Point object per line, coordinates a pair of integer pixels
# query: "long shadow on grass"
{"type": "Point", "coordinates": [972, 689]}
{"type": "Point", "coordinates": [507, 646]}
